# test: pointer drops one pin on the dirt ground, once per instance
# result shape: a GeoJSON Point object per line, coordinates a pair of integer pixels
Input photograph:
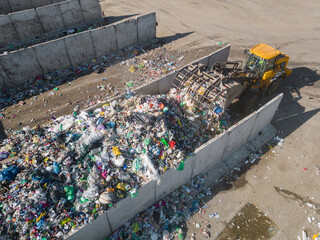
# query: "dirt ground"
{"type": "Point", "coordinates": [286, 177]}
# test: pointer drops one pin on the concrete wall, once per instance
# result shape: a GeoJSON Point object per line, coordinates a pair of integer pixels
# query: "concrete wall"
{"type": "Point", "coordinates": [80, 47]}
{"type": "Point", "coordinates": [104, 40]}
{"type": "Point", "coordinates": [96, 230]}
{"type": "Point", "coordinates": [52, 55]}
{"type": "Point", "coordinates": [208, 155]}
{"type": "Point", "coordinates": [50, 18]}
{"type": "Point", "coordinates": [90, 9]}
{"type": "Point", "coordinates": [173, 179]}
{"type": "Point", "coordinates": [265, 115]}
{"type": "Point", "coordinates": [27, 24]}
{"type": "Point", "coordinates": [21, 65]}
{"type": "Point", "coordinates": [71, 13]}
{"type": "Point", "coordinates": [19, 5]}
{"type": "Point", "coordinates": [239, 133]}
{"type": "Point", "coordinates": [146, 26]}
{"type": "Point", "coordinates": [8, 33]}
{"type": "Point", "coordinates": [127, 208]}
{"type": "Point", "coordinates": [70, 50]}
{"type": "Point", "coordinates": [127, 33]}
{"type": "Point", "coordinates": [8, 6]}
{"type": "Point", "coordinates": [4, 7]}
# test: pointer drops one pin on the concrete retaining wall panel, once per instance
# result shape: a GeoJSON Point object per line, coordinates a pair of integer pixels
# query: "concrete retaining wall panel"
{"type": "Point", "coordinates": [96, 230]}
{"type": "Point", "coordinates": [237, 157]}
{"type": "Point", "coordinates": [265, 115]}
{"type": "Point", "coordinates": [4, 80]}
{"type": "Point", "coordinates": [203, 61]}
{"type": "Point", "coordinates": [19, 5]}
{"type": "Point", "coordinates": [91, 10]}
{"type": "Point", "coordinates": [127, 208]}
{"type": "Point", "coordinates": [126, 33]}
{"type": "Point", "coordinates": [239, 133]}
{"type": "Point", "coordinates": [71, 12]}
{"type": "Point", "coordinates": [21, 65]}
{"type": "Point", "coordinates": [7, 32]}
{"type": "Point", "coordinates": [104, 40]}
{"type": "Point", "coordinates": [4, 7]}
{"type": "Point", "coordinates": [165, 83]}
{"type": "Point", "coordinates": [50, 18]}
{"type": "Point", "coordinates": [209, 154]}
{"type": "Point", "coordinates": [26, 23]}
{"type": "Point", "coordinates": [40, 3]}
{"type": "Point", "coordinates": [80, 47]}
{"type": "Point", "coordinates": [219, 56]}
{"type": "Point", "coordinates": [146, 25]}
{"type": "Point", "coordinates": [173, 179]}
{"type": "Point", "coordinates": [52, 55]}
{"type": "Point", "coordinates": [150, 88]}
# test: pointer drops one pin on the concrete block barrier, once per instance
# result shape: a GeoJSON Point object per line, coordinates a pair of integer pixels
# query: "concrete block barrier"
{"type": "Point", "coordinates": [30, 23]}
{"type": "Point", "coordinates": [209, 154]}
{"type": "Point", "coordinates": [40, 3]}
{"type": "Point", "coordinates": [265, 115]}
{"type": "Point", "coordinates": [71, 50]}
{"type": "Point", "coordinates": [50, 18]}
{"type": "Point", "coordinates": [146, 26]}
{"type": "Point", "coordinates": [19, 5]}
{"type": "Point", "coordinates": [127, 208]}
{"type": "Point", "coordinates": [52, 55]}
{"type": "Point", "coordinates": [7, 31]}
{"type": "Point", "coordinates": [4, 7]}
{"type": "Point", "coordinates": [80, 47]}
{"type": "Point", "coordinates": [219, 56]}
{"type": "Point", "coordinates": [3, 77]}
{"type": "Point", "coordinates": [173, 179]}
{"type": "Point", "coordinates": [127, 33]}
{"type": "Point", "coordinates": [8, 6]}
{"type": "Point", "coordinates": [104, 40]}
{"type": "Point", "coordinates": [21, 65]}
{"type": "Point", "coordinates": [91, 10]}
{"type": "Point", "coordinates": [239, 133]}
{"type": "Point", "coordinates": [96, 230]}
{"type": "Point", "coordinates": [165, 83]}
{"type": "Point", "coordinates": [26, 23]}
{"type": "Point", "coordinates": [71, 13]}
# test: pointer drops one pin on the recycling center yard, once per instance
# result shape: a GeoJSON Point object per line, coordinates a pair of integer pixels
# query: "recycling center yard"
{"type": "Point", "coordinates": [69, 166]}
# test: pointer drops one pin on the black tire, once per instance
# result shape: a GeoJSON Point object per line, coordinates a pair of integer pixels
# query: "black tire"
{"type": "Point", "coordinates": [274, 86]}
{"type": "Point", "coordinates": [247, 101]}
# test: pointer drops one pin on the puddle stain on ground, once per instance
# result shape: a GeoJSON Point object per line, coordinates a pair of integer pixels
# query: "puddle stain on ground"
{"type": "Point", "coordinates": [293, 196]}
{"type": "Point", "coordinates": [249, 223]}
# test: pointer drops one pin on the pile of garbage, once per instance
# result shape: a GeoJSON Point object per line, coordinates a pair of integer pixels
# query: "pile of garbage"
{"type": "Point", "coordinates": [64, 175]}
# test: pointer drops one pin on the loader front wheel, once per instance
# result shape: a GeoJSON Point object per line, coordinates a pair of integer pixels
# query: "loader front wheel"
{"type": "Point", "coordinates": [247, 101]}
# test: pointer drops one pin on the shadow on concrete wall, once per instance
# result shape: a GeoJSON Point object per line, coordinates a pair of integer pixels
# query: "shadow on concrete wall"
{"type": "Point", "coordinates": [3, 135]}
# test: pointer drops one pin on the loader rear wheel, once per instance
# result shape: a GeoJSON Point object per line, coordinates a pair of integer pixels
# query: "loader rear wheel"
{"type": "Point", "coordinates": [247, 101]}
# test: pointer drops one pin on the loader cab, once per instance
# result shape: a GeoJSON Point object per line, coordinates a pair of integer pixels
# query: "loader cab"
{"type": "Point", "coordinates": [266, 62]}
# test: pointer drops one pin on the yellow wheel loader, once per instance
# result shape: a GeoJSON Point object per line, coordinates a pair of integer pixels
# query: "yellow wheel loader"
{"type": "Point", "coordinates": [264, 70]}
